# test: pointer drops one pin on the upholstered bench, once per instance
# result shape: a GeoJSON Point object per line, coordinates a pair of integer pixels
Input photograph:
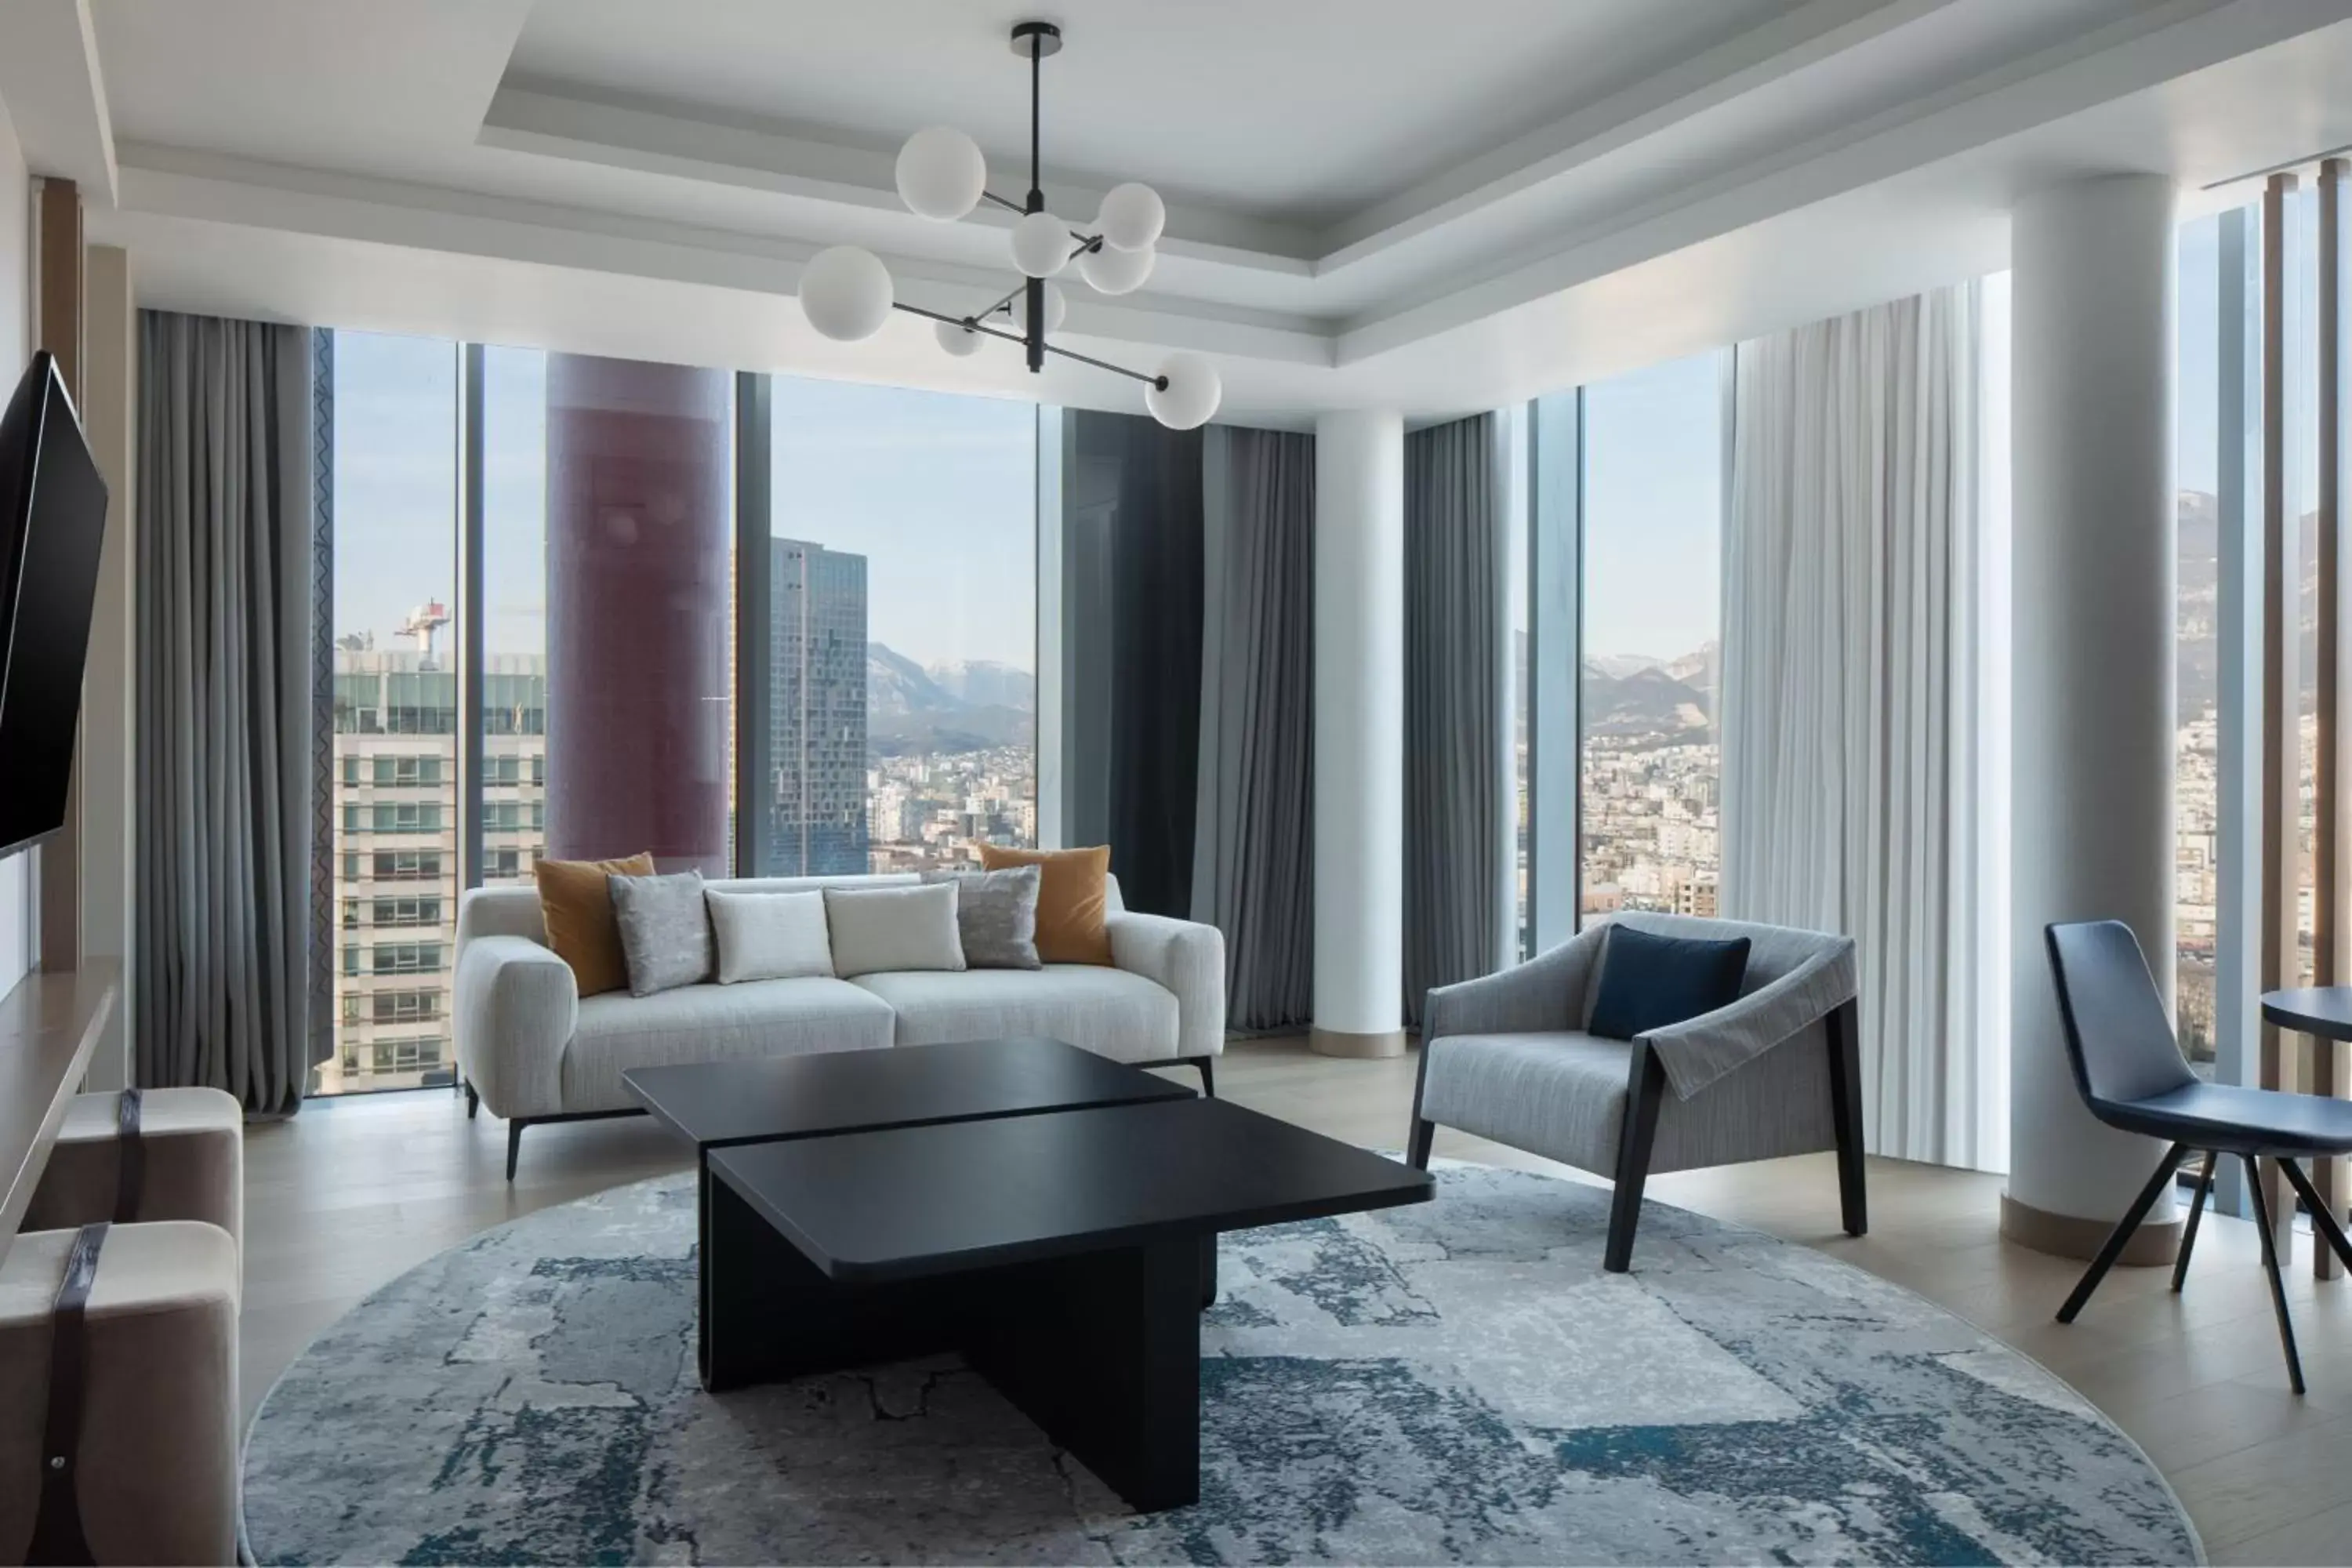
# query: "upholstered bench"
{"type": "Point", "coordinates": [190, 1159]}
{"type": "Point", "coordinates": [149, 1459]}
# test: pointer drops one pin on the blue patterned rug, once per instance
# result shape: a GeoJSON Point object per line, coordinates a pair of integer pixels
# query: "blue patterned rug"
{"type": "Point", "coordinates": [1456, 1381]}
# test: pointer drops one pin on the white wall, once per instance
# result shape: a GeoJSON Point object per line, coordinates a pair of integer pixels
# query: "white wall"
{"type": "Point", "coordinates": [15, 343]}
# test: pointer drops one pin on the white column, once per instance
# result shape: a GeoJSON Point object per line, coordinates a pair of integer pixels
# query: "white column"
{"type": "Point", "coordinates": [2093, 668]}
{"type": "Point", "coordinates": [1359, 735]}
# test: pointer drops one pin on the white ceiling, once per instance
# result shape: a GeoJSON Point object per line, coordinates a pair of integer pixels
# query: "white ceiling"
{"type": "Point", "coordinates": [1371, 201]}
{"type": "Point", "coordinates": [1300, 112]}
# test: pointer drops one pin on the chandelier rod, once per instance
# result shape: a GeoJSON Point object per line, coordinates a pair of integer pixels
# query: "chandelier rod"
{"type": "Point", "coordinates": [972, 324]}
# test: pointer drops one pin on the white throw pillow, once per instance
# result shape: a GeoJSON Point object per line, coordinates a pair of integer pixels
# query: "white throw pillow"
{"type": "Point", "coordinates": [769, 936]}
{"type": "Point", "coordinates": [877, 930]}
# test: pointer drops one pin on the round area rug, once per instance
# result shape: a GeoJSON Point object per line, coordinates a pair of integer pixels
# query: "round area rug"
{"type": "Point", "coordinates": [1456, 1380]}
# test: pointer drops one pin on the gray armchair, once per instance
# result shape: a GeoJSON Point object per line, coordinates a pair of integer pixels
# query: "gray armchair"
{"type": "Point", "coordinates": [1777, 1072]}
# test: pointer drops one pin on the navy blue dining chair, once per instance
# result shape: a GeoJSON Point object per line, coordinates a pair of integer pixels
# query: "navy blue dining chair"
{"type": "Point", "coordinates": [2129, 1068]}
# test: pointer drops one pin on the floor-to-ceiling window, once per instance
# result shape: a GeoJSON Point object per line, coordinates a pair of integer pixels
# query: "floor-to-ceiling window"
{"type": "Point", "coordinates": [1650, 623]}
{"type": "Point", "coordinates": [603, 723]}
{"type": "Point", "coordinates": [902, 650]}
{"type": "Point", "coordinates": [514, 613]}
{"type": "Point", "coordinates": [394, 771]}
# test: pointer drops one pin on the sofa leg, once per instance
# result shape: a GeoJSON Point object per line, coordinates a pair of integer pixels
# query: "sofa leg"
{"type": "Point", "coordinates": [473, 1102]}
{"type": "Point", "coordinates": [1845, 1111]}
{"type": "Point", "coordinates": [1645, 1091]}
{"type": "Point", "coordinates": [514, 1143]}
{"type": "Point", "coordinates": [1208, 1065]}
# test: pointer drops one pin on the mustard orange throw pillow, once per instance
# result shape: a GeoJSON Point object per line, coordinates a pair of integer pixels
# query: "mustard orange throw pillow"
{"type": "Point", "coordinates": [576, 902]}
{"type": "Point", "coordinates": [1073, 899]}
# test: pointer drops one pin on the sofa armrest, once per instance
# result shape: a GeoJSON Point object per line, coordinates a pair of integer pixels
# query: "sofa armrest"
{"type": "Point", "coordinates": [1188, 958]}
{"type": "Point", "coordinates": [1697, 1051]}
{"type": "Point", "coordinates": [1545, 993]}
{"type": "Point", "coordinates": [516, 1004]}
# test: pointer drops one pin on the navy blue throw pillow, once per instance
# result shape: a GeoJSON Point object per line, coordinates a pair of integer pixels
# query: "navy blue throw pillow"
{"type": "Point", "coordinates": [1649, 981]}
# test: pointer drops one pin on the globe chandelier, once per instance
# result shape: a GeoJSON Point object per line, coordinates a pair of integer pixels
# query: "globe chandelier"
{"type": "Point", "coordinates": [847, 292]}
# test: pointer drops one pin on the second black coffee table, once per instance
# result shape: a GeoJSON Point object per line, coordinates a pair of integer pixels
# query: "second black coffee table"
{"type": "Point", "coordinates": [1057, 1253]}
{"type": "Point", "coordinates": [719, 1105]}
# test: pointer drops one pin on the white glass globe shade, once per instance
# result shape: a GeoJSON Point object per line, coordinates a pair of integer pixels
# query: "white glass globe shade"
{"type": "Point", "coordinates": [1057, 306]}
{"type": "Point", "coordinates": [1130, 217]}
{"type": "Point", "coordinates": [1190, 395]}
{"type": "Point", "coordinates": [1115, 272]}
{"type": "Point", "coordinates": [1041, 245]}
{"type": "Point", "coordinates": [845, 293]}
{"type": "Point", "coordinates": [942, 174]}
{"type": "Point", "coordinates": [957, 339]}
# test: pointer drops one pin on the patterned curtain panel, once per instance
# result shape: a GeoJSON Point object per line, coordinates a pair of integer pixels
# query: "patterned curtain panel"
{"type": "Point", "coordinates": [1455, 692]}
{"type": "Point", "coordinates": [226, 652]}
{"type": "Point", "coordinates": [1253, 857]}
{"type": "Point", "coordinates": [1850, 699]}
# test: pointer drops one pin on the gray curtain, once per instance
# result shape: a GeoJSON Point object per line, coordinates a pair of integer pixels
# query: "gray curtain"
{"type": "Point", "coordinates": [224, 635]}
{"type": "Point", "coordinates": [1455, 693]}
{"type": "Point", "coordinates": [1131, 638]}
{"type": "Point", "coordinates": [1253, 855]}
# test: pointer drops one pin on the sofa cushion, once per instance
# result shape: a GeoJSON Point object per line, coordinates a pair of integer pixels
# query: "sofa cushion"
{"type": "Point", "coordinates": [1107, 1011]}
{"type": "Point", "coordinates": [769, 936]}
{"type": "Point", "coordinates": [996, 915]}
{"type": "Point", "coordinates": [1072, 899]}
{"type": "Point", "coordinates": [756, 1019]}
{"type": "Point", "coordinates": [877, 929]}
{"type": "Point", "coordinates": [575, 900]}
{"type": "Point", "coordinates": [665, 930]}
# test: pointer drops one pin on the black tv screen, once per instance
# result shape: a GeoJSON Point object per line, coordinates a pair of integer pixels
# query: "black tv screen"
{"type": "Point", "coordinates": [52, 518]}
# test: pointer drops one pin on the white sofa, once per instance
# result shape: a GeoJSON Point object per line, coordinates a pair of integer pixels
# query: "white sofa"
{"type": "Point", "coordinates": [533, 1050]}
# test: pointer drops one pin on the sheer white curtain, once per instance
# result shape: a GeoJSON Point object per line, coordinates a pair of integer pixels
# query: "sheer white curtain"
{"type": "Point", "coordinates": [1852, 690]}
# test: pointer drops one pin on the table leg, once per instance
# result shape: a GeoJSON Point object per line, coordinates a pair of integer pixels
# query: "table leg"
{"type": "Point", "coordinates": [1103, 1351]}
{"type": "Point", "coordinates": [767, 1313]}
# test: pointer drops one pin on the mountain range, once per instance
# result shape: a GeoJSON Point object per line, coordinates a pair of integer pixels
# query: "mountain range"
{"type": "Point", "coordinates": [965, 706]}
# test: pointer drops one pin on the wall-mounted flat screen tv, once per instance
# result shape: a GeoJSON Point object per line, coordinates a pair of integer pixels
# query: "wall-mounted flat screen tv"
{"type": "Point", "coordinates": [52, 518]}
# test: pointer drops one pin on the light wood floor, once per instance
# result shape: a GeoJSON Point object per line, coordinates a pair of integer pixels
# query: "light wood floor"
{"type": "Point", "coordinates": [351, 1193]}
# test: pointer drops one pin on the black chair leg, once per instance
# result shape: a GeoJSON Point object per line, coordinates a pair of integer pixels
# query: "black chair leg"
{"type": "Point", "coordinates": [2271, 1267]}
{"type": "Point", "coordinates": [1845, 1110]}
{"type": "Point", "coordinates": [2113, 1248]}
{"type": "Point", "coordinates": [1645, 1088]}
{"type": "Point", "coordinates": [1417, 1146]}
{"type": "Point", "coordinates": [514, 1144]}
{"type": "Point", "coordinates": [473, 1102]}
{"type": "Point", "coordinates": [2196, 1213]}
{"type": "Point", "coordinates": [1208, 1065]}
{"type": "Point", "coordinates": [2321, 1220]}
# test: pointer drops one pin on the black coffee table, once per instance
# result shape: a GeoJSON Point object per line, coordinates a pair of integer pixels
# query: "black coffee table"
{"type": "Point", "coordinates": [718, 1105]}
{"type": "Point", "coordinates": [1060, 1252]}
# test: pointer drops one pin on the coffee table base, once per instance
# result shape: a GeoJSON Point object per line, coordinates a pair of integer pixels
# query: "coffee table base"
{"type": "Point", "coordinates": [1101, 1349]}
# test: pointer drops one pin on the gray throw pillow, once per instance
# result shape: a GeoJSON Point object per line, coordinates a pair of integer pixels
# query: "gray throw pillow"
{"type": "Point", "coordinates": [665, 930]}
{"type": "Point", "coordinates": [996, 915]}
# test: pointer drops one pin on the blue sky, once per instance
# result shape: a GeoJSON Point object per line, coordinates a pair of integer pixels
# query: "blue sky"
{"type": "Point", "coordinates": [1654, 510]}
{"type": "Point", "coordinates": [933, 489]}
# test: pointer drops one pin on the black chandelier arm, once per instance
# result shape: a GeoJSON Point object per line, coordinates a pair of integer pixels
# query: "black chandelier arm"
{"type": "Point", "coordinates": [1018, 289]}
{"type": "Point", "coordinates": [967, 323]}
{"type": "Point", "coordinates": [1005, 202]}
{"type": "Point", "coordinates": [1157, 382]}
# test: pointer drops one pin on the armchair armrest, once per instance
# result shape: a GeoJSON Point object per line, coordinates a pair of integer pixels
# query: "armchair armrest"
{"type": "Point", "coordinates": [1546, 992]}
{"type": "Point", "coordinates": [1697, 1051]}
{"type": "Point", "coordinates": [516, 1006]}
{"type": "Point", "coordinates": [1188, 958]}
